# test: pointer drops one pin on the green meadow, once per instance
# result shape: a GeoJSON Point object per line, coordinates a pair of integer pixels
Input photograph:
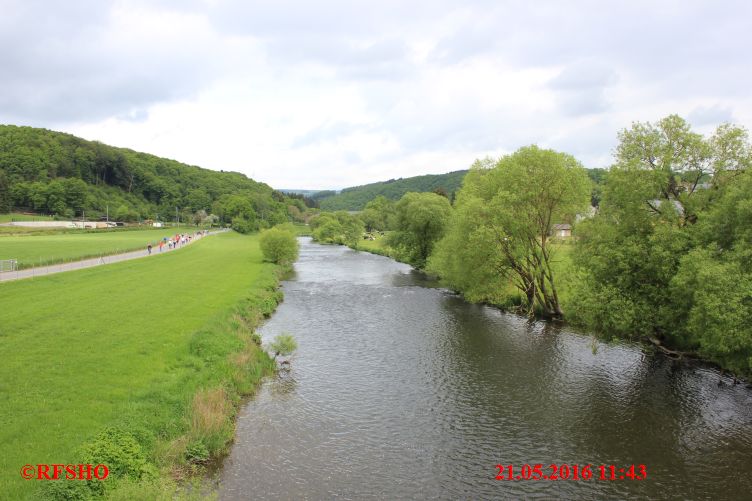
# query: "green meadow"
{"type": "Point", "coordinates": [56, 247]}
{"type": "Point", "coordinates": [145, 345]}
{"type": "Point", "coordinates": [17, 216]}
{"type": "Point", "coordinates": [376, 246]}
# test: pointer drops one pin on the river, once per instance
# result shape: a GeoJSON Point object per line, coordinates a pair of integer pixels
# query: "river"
{"type": "Point", "coordinates": [402, 390]}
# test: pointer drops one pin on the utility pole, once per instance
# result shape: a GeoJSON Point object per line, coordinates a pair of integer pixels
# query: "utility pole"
{"type": "Point", "coordinates": [108, 214]}
{"type": "Point", "coordinates": [177, 216]}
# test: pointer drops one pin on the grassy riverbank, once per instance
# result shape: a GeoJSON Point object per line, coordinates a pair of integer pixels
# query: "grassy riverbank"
{"type": "Point", "coordinates": [376, 246]}
{"type": "Point", "coordinates": [139, 365]}
{"type": "Point", "coordinates": [561, 263]}
{"type": "Point", "coordinates": [56, 247]}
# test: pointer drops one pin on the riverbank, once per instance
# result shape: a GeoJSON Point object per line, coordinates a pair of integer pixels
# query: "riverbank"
{"type": "Point", "coordinates": [139, 365]}
{"type": "Point", "coordinates": [563, 267]}
{"type": "Point", "coordinates": [426, 392]}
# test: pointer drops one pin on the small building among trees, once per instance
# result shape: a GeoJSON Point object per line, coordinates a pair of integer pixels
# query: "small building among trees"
{"type": "Point", "coordinates": [562, 230]}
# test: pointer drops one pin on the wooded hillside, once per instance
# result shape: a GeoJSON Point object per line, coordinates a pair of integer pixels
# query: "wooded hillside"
{"type": "Point", "coordinates": [356, 197]}
{"type": "Point", "coordinates": [61, 174]}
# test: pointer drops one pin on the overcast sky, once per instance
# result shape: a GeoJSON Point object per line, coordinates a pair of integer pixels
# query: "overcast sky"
{"type": "Point", "coordinates": [328, 94]}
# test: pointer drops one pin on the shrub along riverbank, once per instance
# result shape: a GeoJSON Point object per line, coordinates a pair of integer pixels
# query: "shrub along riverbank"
{"type": "Point", "coordinates": [138, 365]}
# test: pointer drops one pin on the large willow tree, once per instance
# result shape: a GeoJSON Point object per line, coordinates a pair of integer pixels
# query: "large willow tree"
{"type": "Point", "coordinates": [668, 255]}
{"type": "Point", "coordinates": [500, 230]}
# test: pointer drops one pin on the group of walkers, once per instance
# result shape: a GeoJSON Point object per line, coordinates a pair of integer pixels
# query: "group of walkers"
{"type": "Point", "coordinates": [177, 240]}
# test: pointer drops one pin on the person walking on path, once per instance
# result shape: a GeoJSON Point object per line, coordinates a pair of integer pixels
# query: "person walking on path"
{"type": "Point", "coordinates": [148, 248]}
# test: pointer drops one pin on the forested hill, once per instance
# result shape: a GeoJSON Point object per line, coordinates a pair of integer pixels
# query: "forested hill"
{"type": "Point", "coordinates": [61, 174]}
{"type": "Point", "coordinates": [357, 197]}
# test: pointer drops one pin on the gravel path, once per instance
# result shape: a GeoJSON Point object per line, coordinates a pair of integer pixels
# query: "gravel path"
{"type": "Point", "coordinates": [88, 263]}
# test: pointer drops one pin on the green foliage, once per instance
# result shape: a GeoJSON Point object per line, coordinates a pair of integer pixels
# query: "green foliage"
{"type": "Point", "coordinates": [283, 344]}
{"type": "Point", "coordinates": [242, 225]}
{"type": "Point", "coordinates": [279, 245]}
{"type": "Point", "coordinates": [120, 451]}
{"type": "Point", "coordinates": [668, 253]}
{"type": "Point", "coordinates": [317, 196]}
{"type": "Point", "coordinates": [716, 295]}
{"type": "Point", "coordinates": [5, 196]}
{"type": "Point", "coordinates": [420, 222]}
{"type": "Point", "coordinates": [379, 214]}
{"type": "Point", "coordinates": [356, 197]}
{"type": "Point", "coordinates": [197, 452]}
{"type": "Point", "coordinates": [337, 228]}
{"type": "Point", "coordinates": [115, 448]}
{"type": "Point", "coordinates": [61, 174]}
{"type": "Point", "coordinates": [598, 177]}
{"type": "Point", "coordinates": [232, 207]}
{"type": "Point", "coordinates": [500, 231]}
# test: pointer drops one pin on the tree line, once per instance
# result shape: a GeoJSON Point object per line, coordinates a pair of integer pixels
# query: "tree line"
{"type": "Point", "coordinates": [63, 175]}
{"type": "Point", "coordinates": [662, 246]}
{"type": "Point", "coordinates": [355, 198]}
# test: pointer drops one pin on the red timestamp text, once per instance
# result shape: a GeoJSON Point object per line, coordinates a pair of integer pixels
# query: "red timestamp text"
{"type": "Point", "coordinates": [540, 471]}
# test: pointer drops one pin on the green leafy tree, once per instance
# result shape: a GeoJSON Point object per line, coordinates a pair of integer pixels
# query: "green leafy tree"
{"type": "Point", "coordinates": [38, 196]}
{"type": "Point", "coordinates": [241, 225]}
{"type": "Point", "coordinates": [420, 222]}
{"type": "Point", "coordinates": [74, 193]}
{"type": "Point", "coordinates": [279, 246]}
{"type": "Point", "coordinates": [352, 228]}
{"type": "Point", "coordinates": [670, 228]}
{"type": "Point", "coordinates": [197, 199]}
{"type": "Point", "coordinates": [230, 207]}
{"type": "Point", "coordinates": [714, 293]}
{"type": "Point", "coordinates": [295, 213]}
{"type": "Point", "coordinates": [503, 222]}
{"type": "Point", "coordinates": [55, 197]}
{"type": "Point", "coordinates": [337, 228]}
{"type": "Point", "coordinates": [5, 195]}
{"type": "Point", "coordinates": [328, 230]}
{"type": "Point", "coordinates": [379, 214]}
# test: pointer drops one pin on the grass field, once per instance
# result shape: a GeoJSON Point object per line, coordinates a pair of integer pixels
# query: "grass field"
{"type": "Point", "coordinates": [128, 344]}
{"type": "Point", "coordinates": [15, 216]}
{"type": "Point", "coordinates": [55, 247]}
{"type": "Point", "coordinates": [376, 246]}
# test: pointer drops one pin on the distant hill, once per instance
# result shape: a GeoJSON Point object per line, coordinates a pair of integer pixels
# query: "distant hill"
{"type": "Point", "coordinates": [357, 197]}
{"type": "Point", "coordinates": [307, 193]}
{"type": "Point", "coordinates": [56, 173]}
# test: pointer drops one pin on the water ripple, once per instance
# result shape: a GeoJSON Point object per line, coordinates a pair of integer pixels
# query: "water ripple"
{"type": "Point", "coordinates": [400, 390]}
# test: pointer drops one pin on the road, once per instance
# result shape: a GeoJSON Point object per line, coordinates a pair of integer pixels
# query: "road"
{"type": "Point", "coordinates": [39, 271]}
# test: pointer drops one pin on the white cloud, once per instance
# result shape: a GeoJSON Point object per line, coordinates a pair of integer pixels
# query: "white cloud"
{"type": "Point", "coordinates": [331, 94]}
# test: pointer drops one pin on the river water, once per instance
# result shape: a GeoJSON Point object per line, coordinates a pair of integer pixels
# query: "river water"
{"type": "Point", "coordinates": [402, 390]}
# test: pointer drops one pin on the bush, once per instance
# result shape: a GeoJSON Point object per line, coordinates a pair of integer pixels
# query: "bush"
{"type": "Point", "coordinates": [279, 246]}
{"type": "Point", "coordinates": [283, 344]}
{"type": "Point", "coordinates": [242, 225]}
{"type": "Point", "coordinates": [124, 457]}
